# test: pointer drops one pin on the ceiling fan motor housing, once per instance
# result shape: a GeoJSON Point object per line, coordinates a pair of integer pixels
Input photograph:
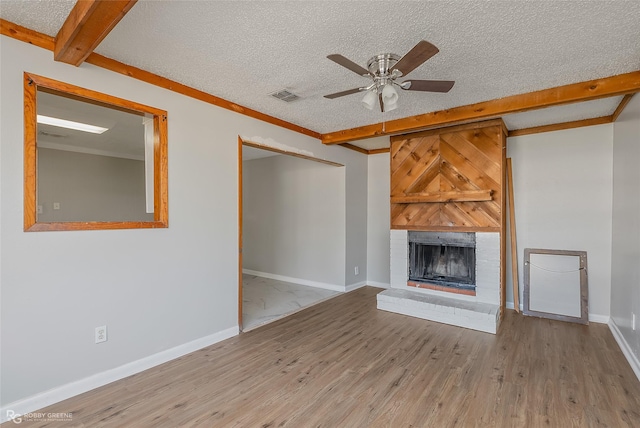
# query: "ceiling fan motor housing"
{"type": "Point", "coordinates": [380, 65]}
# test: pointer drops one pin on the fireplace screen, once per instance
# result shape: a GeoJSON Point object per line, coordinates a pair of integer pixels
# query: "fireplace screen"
{"type": "Point", "coordinates": [443, 258]}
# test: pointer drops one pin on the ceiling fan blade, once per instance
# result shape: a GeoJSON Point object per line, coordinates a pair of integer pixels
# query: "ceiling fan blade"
{"type": "Point", "coordinates": [381, 102]}
{"type": "Point", "coordinates": [347, 63]}
{"type": "Point", "coordinates": [415, 57]}
{"type": "Point", "coordinates": [343, 93]}
{"type": "Point", "coordinates": [428, 85]}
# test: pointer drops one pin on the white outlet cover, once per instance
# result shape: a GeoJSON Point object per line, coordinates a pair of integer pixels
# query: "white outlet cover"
{"type": "Point", "coordinates": [101, 334]}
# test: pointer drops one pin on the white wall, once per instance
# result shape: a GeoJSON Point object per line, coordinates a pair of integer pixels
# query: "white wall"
{"type": "Point", "coordinates": [563, 193]}
{"type": "Point", "coordinates": [90, 187]}
{"type": "Point", "coordinates": [625, 269]}
{"type": "Point", "coordinates": [356, 247]}
{"type": "Point", "coordinates": [294, 219]}
{"type": "Point", "coordinates": [154, 289]}
{"type": "Point", "coordinates": [378, 213]}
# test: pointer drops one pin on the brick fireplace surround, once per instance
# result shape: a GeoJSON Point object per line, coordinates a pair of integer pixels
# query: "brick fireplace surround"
{"type": "Point", "coordinates": [479, 312]}
{"type": "Point", "coordinates": [450, 179]}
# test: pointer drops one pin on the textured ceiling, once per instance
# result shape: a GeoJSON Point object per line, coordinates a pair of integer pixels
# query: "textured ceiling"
{"type": "Point", "coordinates": [244, 50]}
{"type": "Point", "coordinates": [44, 16]}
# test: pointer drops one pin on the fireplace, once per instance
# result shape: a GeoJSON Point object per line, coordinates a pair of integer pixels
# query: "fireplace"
{"type": "Point", "coordinates": [448, 211]}
{"type": "Point", "coordinates": [442, 260]}
{"type": "Point", "coordinates": [477, 309]}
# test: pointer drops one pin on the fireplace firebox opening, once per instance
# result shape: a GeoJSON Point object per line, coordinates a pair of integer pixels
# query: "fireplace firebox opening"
{"type": "Point", "coordinates": [443, 261]}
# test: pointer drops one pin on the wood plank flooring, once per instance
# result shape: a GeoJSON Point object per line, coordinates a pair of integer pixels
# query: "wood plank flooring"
{"type": "Point", "coordinates": [343, 363]}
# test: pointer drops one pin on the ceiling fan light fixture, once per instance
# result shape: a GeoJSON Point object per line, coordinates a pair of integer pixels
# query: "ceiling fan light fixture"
{"type": "Point", "coordinates": [389, 96]}
{"type": "Point", "coordinates": [390, 106]}
{"type": "Point", "coordinates": [369, 100]}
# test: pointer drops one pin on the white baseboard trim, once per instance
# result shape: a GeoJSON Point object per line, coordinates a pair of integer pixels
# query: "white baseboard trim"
{"type": "Point", "coordinates": [626, 349]}
{"type": "Point", "coordinates": [384, 285]}
{"type": "Point", "coordinates": [600, 319]}
{"type": "Point", "coordinates": [55, 395]}
{"type": "Point", "coordinates": [355, 286]}
{"type": "Point", "coordinates": [326, 286]}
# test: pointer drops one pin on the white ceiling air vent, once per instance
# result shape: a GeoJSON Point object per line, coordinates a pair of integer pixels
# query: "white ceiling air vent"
{"type": "Point", "coordinates": [285, 96]}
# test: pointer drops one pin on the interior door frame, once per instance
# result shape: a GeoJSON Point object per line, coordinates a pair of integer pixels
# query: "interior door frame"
{"type": "Point", "coordinates": [240, 233]}
{"type": "Point", "coordinates": [242, 143]}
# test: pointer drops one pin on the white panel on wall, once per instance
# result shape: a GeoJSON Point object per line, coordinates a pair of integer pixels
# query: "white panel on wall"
{"type": "Point", "coordinates": [554, 284]}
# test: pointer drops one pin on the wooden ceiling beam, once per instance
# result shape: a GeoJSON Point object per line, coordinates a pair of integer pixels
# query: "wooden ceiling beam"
{"type": "Point", "coordinates": [622, 84]}
{"type": "Point", "coordinates": [378, 151]}
{"type": "Point", "coordinates": [86, 26]}
{"type": "Point", "coordinates": [561, 126]}
{"type": "Point", "coordinates": [621, 106]}
{"type": "Point", "coordinates": [365, 151]}
{"type": "Point", "coordinates": [27, 35]}
{"type": "Point", "coordinates": [355, 148]}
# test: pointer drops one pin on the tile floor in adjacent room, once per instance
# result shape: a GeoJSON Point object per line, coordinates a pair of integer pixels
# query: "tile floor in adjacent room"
{"type": "Point", "coordinates": [265, 300]}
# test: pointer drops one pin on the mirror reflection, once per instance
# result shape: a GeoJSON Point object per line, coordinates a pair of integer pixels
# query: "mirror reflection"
{"type": "Point", "coordinates": [96, 165]}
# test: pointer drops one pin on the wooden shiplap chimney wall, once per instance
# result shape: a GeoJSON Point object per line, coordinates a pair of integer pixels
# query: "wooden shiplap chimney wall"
{"type": "Point", "coordinates": [450, 178]}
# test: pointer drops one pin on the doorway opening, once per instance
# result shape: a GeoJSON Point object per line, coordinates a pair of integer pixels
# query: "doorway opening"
{"type": "Point", "coordinates": [292, 226]}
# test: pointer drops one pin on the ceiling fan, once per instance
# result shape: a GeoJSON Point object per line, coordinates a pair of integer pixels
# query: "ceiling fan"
{"type": "Point", "coordinates": [384, 69]}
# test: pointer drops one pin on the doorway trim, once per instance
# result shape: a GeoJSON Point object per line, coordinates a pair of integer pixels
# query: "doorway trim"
{"type": "Point", "coordinates": [287, 152]}
{"type": "Point", "coordinates": [240, 233]}
{"type": "Point", "coordinates": [241, 143]}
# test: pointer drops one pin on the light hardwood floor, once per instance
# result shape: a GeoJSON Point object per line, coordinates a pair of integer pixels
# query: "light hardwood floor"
{"type": "Point", "coordinates": [343, 363]}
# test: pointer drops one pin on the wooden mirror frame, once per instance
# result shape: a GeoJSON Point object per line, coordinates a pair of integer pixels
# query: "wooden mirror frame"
{"type": "Point", "coordinates": [32, 83]}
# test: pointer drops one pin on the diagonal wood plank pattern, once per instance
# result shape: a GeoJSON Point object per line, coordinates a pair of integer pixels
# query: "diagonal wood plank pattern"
{"type": "Point", "coordinates": [460, 159]}
{"type": "Point", "coordinates": [343, 363]}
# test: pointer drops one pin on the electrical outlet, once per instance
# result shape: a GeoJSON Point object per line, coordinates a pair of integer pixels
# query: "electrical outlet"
{"type": "Point", "coordinates": [56, 205]}
{"type": "Point", "coordinates": [39, 209]}
{"type": "Point", "coordinates": [633, 321]}
{"type": "Point", "coordinates": [101, 334]}
{"type": "Point", "coordinates": [357, 270]}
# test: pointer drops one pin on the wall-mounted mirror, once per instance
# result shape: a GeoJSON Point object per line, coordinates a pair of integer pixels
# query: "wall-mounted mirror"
{"type": "Point", "coordinates": [92, 161]}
